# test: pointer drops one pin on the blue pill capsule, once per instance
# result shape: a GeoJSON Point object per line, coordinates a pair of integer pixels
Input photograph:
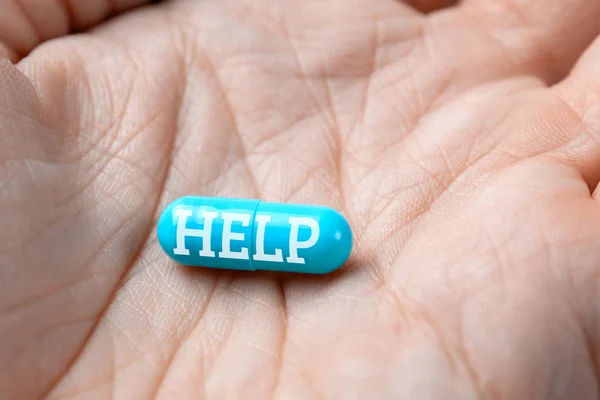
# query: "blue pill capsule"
{"type": "Point", "coordinates": [254, 235]}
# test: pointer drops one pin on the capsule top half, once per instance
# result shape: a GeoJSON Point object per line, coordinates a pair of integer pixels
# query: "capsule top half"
{"type": "Point", "coordinates": [252, 235]}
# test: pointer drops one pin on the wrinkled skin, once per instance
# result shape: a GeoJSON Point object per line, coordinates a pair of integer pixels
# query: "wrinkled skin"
{"type": "Point", "coordinates": [463, 145]}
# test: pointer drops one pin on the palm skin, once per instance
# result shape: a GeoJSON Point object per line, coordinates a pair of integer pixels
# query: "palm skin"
{"type": "Point", "coordinates": [456, 145]}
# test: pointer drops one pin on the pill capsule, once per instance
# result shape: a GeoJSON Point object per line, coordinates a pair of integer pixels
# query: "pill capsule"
{"type": "Point", "coordinates": [254, 235]}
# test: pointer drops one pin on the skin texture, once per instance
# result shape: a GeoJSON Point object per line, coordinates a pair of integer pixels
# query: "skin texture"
{"type": "Point", "coordinates": [462, 142]}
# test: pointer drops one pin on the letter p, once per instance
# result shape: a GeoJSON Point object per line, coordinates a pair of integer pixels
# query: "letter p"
{"type": "Point", "coordinates": [295, 244]}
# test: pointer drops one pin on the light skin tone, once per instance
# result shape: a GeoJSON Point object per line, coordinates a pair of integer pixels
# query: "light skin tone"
{"type": "Point", "coordinates": [463, 146]}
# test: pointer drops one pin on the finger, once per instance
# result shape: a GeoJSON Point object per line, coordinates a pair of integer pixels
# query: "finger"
{"type": "Point", "coordinates": [5, 52]}
{"type": "Point", "coordinates": [580, 92]}
{"type": "Point", "coordinates": [26, 23]}
{"type": "Point", "coordinates": [551, 34]}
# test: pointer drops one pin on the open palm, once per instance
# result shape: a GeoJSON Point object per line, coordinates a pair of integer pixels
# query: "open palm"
{"type": "Point", "coordinates": [463, 146]}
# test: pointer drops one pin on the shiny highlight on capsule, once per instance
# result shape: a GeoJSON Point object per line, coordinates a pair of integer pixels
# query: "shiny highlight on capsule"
{"type": "Point", "coordinates": [246, 234]}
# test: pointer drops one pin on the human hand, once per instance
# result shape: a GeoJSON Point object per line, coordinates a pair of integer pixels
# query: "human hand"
{"type": "Point", "coordinates": [464, 160]}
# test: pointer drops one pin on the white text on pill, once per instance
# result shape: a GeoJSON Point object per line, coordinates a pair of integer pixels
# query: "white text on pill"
{"type": "Point", "coordinates": [228, 236]}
